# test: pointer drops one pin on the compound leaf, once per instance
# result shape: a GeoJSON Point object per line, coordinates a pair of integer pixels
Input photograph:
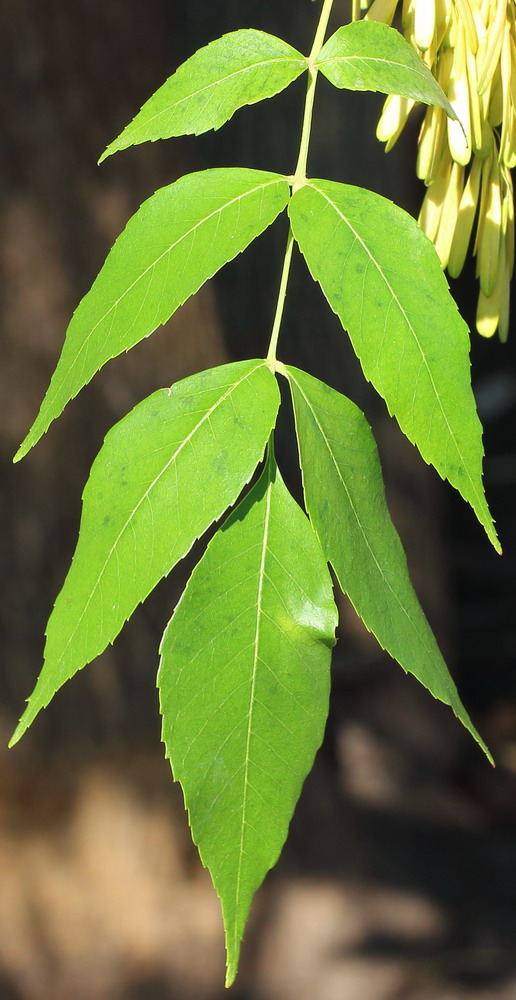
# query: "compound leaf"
{"type": "Point", "coordinates": [177, 240]}
{"type": "Point", "coordinates": [382, 277]}
{"type": "Point", "coordinates": [244, 686]}
{"type": "Point", "coordinates": [345, 500]}
{"type": "Point", "coordinates": [164, 474]}
{"type": "Point", "coordinates": [240, 68]}
{"type": "Point", "coordinates": [368, 55]}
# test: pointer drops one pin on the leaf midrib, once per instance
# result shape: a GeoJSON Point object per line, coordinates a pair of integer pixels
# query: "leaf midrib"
{"type": "Point", "coordinates": [261, 577]}
{"type": "Point", "coordinates": [374, 59]}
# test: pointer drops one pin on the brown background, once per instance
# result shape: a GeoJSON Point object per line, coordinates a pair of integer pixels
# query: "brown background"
{"type": "Point", "coordinates": [399, 876]}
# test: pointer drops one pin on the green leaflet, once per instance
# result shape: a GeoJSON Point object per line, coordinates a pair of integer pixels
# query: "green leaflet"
{"type": "Point", "coordinates": [240, 68]}
{"type": "Point", "coordinates": [177, 240]}
{"type": "Point", "coordinates": [163, 475]}
{"type": "Point", "coordinates": [244, 685]}
{"type": "Point", "coordinates": [382, 277]}
{"type": "Point", "coordinates": [368, 55]}
{"type": "Point", "coordinates": [345, 500]}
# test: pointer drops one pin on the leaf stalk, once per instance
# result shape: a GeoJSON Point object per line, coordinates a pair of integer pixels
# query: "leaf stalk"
{"type": "Point", "coordinates": [280, 305]}
{"type": "Point", "coordinates": [299, 176]}
{"type": "Point", "coordinates": [300, 171]}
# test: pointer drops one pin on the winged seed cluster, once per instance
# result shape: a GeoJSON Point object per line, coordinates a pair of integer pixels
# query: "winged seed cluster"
{"type": "Point", "coordinates": [470, 47]}
{"type": "Point", "coordinates": [245, 659]}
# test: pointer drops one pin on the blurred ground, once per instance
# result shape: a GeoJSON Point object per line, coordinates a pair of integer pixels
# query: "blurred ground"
{"type": "Point", "coordinates": [398, 881]}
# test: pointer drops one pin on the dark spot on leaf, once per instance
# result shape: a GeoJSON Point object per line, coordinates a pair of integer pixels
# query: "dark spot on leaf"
{"type": "Point", "coordinates": [220, 463]}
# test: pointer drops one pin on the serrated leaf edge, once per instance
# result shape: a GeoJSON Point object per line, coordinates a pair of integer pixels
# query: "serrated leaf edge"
{"type": "Point", "coordinates": [443, 670]}
{"type": "Point", "coordinates": [117, 146]}
{"type": "Point", "coordinates": [32, 438]}
{"type": "Point", "coordinates": [427, 77]}
{"type": "Point", "coordinates": [28, 717]}
{"type": "Point", "coordinates": [488, 523]}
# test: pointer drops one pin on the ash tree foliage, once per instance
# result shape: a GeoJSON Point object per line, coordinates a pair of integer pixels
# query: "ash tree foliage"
{"type": "Point", "coordinates": [245, 659]}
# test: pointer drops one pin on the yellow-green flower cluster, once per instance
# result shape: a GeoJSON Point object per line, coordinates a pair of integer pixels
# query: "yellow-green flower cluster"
{"type": "Point", "coordinates": [470, 47]}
